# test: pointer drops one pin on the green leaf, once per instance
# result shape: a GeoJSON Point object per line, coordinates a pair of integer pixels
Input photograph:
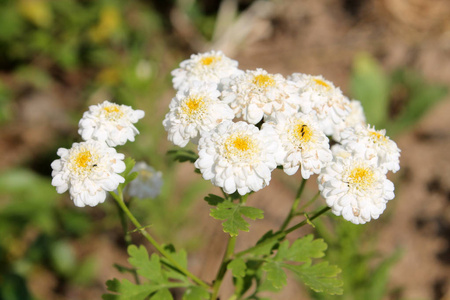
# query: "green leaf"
{"type": "Point", "coordinates": [266, 244]}
{"type": "Point", "coordinates": [214, 200]}
{"type": "Point", "coordinates": [128, 290]}
{"type": "Point", "coordinates": [183, 155]}
{"type": "Point", "coordinates": [148, 268]}
{"type": "Point", "coordinates": [369, 84]}
{"type": "Point", "coordinates": [195, 293]}
{"type": "Point", "coordinates": [232, 213]}
{"type": "Point", "coordinates": [181, 258]}
{"type": "Point", "coordinates": [320, 277]}
{"type": "Point", "coordinates": [414, 97]}
{"type": "Point", "coordinates": [162, 294]}
{"type": "Point", "coordinates": [237, 267]}
{"type": "Point", "coordinates": [275, 274]}
{"type": "Point", "coordinates": [302, 250]}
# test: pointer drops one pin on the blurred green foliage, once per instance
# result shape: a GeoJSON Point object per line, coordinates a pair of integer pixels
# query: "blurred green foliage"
{"type": "Point", "coordinates": [37, 232]}
{"type": "Point", "coordinates": [395, 101]}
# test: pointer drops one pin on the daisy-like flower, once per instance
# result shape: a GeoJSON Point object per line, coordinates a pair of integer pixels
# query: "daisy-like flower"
{"type": "Point", "coordinates": [372, 143]}
{"type": "Point", "coordinates": [205, 67]}
{"type": "Point", "coordinates": [257, 94]}
{"type": "Point", "coordinates": [238, 156]}
{"type": "Point", "coordinates": [303, 144]}
{"type": "Point", "coordinates": [194, 111]}
{"type": "Point", "coordinates": [321, 96]}
{"type": "Point", "coordinates": [147, 184]}
{"type": "Point", "coordinates": [88, 170]}
{"type": "Point", "coordinates": [354, 119]}
{"type": "Point", "coordinates": [354, 187]}
{"type": "Point", "coordinates": [109, 122]}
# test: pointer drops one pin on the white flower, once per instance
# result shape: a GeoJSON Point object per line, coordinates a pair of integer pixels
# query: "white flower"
{"type": "Point", "coordinates": [303, 144]}
{"type": "Point", "coordinates": [88, 170]}
{"type": "Point", "coordinates": [238, 156]}
{"type": "Point", "coordinates": [354, 119]}
{"type": "Point", "coordinates": [110, 123]}
{"type": "Point", "coordinates": [321, 96]}
{"type": "Point", "coordinates": [205, 67]}
{"type": "Point", "coordinates": [194, 111]}
{"type": "Point", "coordinates": [355, 188]}
{"type": "Point", "coordinates": [257, 94]}
{"type": "Point", "coordinates": [372, 143]}
{"type": "Point", "coordinates": [147, 184]}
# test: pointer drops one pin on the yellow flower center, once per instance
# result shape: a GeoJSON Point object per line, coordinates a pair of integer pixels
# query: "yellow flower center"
{"type": "Point", "coordinates": [145, 175]}
{"type": "Point", "coordinates": [322, 83]}
{"type": "Point", "coordinates": [208, 60]}
{"type": "Point", "coordinates": [239, 146]}
{"type": "Point", "coordinates": [263, 81]}
{"type": "Point", "coordinates": [303, 132]}
{"type": "Point", "coordinates": [361, 177]}
{"type": "Point", "coordinates": [377, 136]}
{"type": "Point", "coordinates": [113, 112]}
{"type": "Point", "coordinates": [83, 159]}
{"type": "Point", "coordinates": [193, 107]}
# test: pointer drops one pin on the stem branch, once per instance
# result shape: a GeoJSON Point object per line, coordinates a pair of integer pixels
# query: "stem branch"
{"type": "Point", "coordinates": [155, 244]}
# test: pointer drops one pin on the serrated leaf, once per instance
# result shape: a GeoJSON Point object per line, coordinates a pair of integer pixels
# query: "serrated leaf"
{"type": "Point", "coordinates": [195, 293]}
{"type": "Point", "coordinates": [163, 294]}
{"type": "Point", "coordinates": [183, 155]}
{"type": "Point", "coordinates": [148, 268]}
{"type": "Point", "coordinates": [237, 267]}
{"type": "Point", "coordinates": [305, 248]}
{"type": "Point", "coordinates": [214, 200]}
{"type": "Point", "coordinates": [320, 277]}
{"type": "Point", "coordinates": [181, 258]}
{"type": "Point", "coordinates": [232, 213]}
{"type": "Point", "coordinates": [128, 290]}
{"type": "Point", "coordinates": [266, 244]}
{"type": "Point", "coordinates": [275, 274]}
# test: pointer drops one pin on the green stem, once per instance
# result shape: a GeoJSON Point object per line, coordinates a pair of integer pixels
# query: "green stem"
{"type": "Point", "coordinates": [223, 267]}
{"type": "Point", "coordinates": [155, 244]}
{"type": "Point", "coordinates": [294, 206]}
{"type": "Point", "coordinates": [127, 236]}
{"type": "Point", "coordinates": [302, 209]}
{"type": "Point", "coordinates": [280, 235]}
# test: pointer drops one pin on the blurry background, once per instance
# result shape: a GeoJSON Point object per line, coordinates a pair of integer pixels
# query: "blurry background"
{"type": "Point", "coordinates": [59, 57]}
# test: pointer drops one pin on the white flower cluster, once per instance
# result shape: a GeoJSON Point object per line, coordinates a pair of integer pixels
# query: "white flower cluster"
{"type": "Point", "coordinates": [246, 123]}
{"type": "Point", "coordinates": [91, 168]}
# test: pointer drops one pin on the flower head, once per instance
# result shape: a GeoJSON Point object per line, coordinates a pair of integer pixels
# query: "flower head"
{"type": "Point", "coordinates": [355, 118]}
{"type": "Point", "coordinates": [372, 143]}
{"type": "Point", "coordinates": [238, 156]}
{"type": "Point", "coordinates": [303, 144]}
{"type": "Point", "coordinates": [109, 122]}
{"type": "Point", "coordinates": [194, 111]}
{"type": "Point", "coordinates": [88, 170]}
{"type": "Point", "coordinates": [148, 182]}
{"type": "Point", "coordinates": [254, 95]}
{"type": "Point", "coordinates": [320, 95]}
{"type": "Point", "coordinates": [205, 67]}
{"type": "Point", "coordinates": [354, 187]}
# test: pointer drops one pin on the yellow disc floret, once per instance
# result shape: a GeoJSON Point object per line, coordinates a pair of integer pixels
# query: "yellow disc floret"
{"type": "Point", "coordinates": [83, 159]}
{"type": "Point", "coordinates": [194, 107]}
{"type": "Point", "coordinates": [322, 83]}
{"type": "Point", "coordinates": [377, 136]}
{"type": "Point", "coordinates": [263, 81]}
{"type": "Point", "coordinates": [208, 60]}
{"type": "Point", "coordinates": [240, 147]}
{"type": "Point", "coordinates": [361, 177]}
{"type": "Point", "coordinates": [113, 112]}
{"type": "Point", "coordinates": [303, 132]}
